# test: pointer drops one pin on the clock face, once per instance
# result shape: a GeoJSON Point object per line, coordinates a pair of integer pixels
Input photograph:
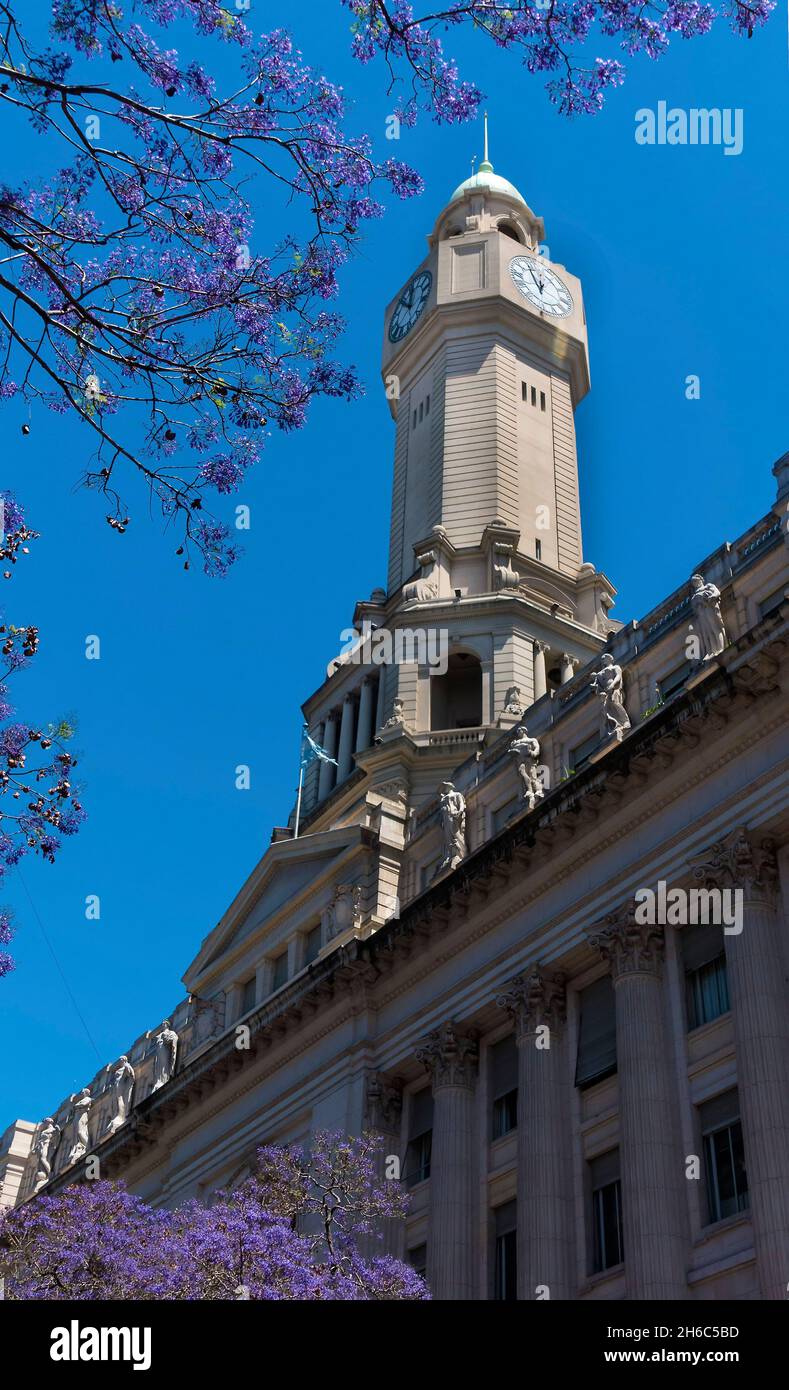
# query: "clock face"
{"type": "Point", "coordinates": [541, 286]}
{"type": "Point", "coordinates": [410, 306]}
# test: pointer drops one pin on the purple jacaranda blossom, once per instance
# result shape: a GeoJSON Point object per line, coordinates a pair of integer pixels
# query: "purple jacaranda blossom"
{"type": "Point", "coordinates": [95, 1240]}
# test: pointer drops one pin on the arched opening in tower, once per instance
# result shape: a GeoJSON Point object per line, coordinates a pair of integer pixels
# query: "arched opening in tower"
{"type": "Point", "coordinates": [456, 697]}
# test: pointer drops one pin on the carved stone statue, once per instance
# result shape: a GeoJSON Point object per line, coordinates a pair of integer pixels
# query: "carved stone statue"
{"type": "Point", "coordinates": [426, 587]}
{"type": "Point", "coordinates": [527, 751]}
{"type": "Point", "coordinates": [513, 704]}
{"type": "Point", "coordinates": [165, 1055]}
{"type": "Point", "coordinates": [122, 1088]}
{"type": "Point", "coordinates": [453, 825]}
{"type": "Point", "coordinates": [44, 1146]}
{"type": "Point", "coordinates": [609, 686]}
{"type": "Point", "coordinates": [78, 1135]}
{"type": "Point", "coordinates": [345, 911]}
{"type": "Point", "coordinates": [705, 601]}
{"type": "Point", "coordinates": [395, 721]}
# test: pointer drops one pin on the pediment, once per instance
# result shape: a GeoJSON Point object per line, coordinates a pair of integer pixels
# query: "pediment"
{"type": "Point", "coordinates": [285, 875]}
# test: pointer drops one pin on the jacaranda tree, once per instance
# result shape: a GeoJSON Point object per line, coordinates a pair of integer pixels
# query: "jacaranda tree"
{"type": "Point", "coordinates": [136, 291]}
{"type": "Point", "coordinates": [39, 804]}
{"type": "Point", "coordinates": [296, 1229]}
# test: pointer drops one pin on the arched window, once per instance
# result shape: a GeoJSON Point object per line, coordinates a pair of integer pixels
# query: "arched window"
{"type": "Point", "coordinates": [456, 697]}
{"type": "Point", "coordinates": [507, 229]}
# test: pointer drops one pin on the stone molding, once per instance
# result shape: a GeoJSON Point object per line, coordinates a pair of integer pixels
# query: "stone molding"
{"type": "Point", "coordinates": [450, 1057]}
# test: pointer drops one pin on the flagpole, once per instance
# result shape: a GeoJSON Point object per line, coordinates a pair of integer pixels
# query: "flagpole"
{"type": "Point", "coordinates": [301, 786]}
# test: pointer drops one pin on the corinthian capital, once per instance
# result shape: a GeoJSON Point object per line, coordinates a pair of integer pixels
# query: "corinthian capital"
{"type": "Point", "coordinates": [384, 1102]}
{"type": "Point", "coordinates": [739, 861]}
{"type": "Point", "coordinates": [534, 999]}
{"type": "Point", "coordinates": [450, 1057]}
{"type": "Point", "coordinates": [633, 948]}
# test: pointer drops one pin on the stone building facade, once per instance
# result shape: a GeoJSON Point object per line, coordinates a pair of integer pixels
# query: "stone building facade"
{"type": "Point", "coordinates": [533, 927]}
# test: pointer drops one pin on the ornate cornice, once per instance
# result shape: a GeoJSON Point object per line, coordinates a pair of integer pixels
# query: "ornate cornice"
{"type": "Point", "coordinates": [383, 1102]}
{"type": "Point", "coordinates": [631, 947]}
{"type": "Point", "coordinates": [450, 1057]}
{"type": "Point", "coordinates": [740, 861]}
{"type": "Point", "coordinates": [536, 999]}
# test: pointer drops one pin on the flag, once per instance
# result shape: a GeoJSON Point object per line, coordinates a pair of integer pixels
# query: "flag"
{"type": "Point", "coordinates": [310, 750]}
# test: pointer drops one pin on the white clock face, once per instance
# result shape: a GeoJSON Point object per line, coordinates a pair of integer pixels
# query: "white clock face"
{"type": "Point", "coordinates": [541, 286]}
{"type": "Point", "coordinates": [410, 306]}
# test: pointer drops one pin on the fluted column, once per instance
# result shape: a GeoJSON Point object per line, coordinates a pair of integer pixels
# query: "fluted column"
{"type": "Point", "coordinates": [540, 672]}
{"type": "Point", "coordinates": [328, 770]}
{"type": "Point", "coordinates": [364, 729]}
{"type": "Point", "coordinates": [654, 1203]}
{"type": "Point", "coordinates": [537, 1002]}
{"type": "Point", "coordinates": [451, 1059]}
{"type": "Point", "coordinates": [345, 754]}
{"type": "Point", "coordinates": [383, 1116]}
{"type": "Point", "coordinates": [760, 1012]}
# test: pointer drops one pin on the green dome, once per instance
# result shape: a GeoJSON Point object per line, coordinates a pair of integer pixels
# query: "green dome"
{"type": "Point", "coordinates": [485, 178]}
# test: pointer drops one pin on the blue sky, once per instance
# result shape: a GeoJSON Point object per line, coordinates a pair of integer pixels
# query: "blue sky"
{"type": "Point", "coordinates": [681, 251]}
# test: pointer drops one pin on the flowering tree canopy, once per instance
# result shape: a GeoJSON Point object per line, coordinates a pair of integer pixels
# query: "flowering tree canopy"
{"type": "Point", "coordinates": [135, 289]}
{"type": "Point", "coordinates": [39, 803]}
{"type": "Point", "coordinates": [96, 1241]}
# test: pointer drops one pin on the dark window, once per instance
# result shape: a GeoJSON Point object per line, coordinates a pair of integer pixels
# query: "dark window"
{"type": "Point", "coordinates": [507, 230]}
{"type": "Point", "coordinates": [538, 549]}
{"type": "Point", "coordinates": [706, 982]}
{"type": "Point", "coordinates": [280, 971]}
{"type": "Point", "coordinates": [427, 406]}
{"type": "Point", "coordinates": [417, 1258]}
{"type": "Point", "coordinates": [581, 754]}
{"type": "Point", "coordinates": [421, 411]}
{"type": "Point", "coordinates": [414, 417]}
{"type": "Point", "coordinates": [312, 944]}
{"type": "Point", "coordinates": [674, 680]}
{"type": "Point", "coordinates": [420, 1137]}
{"type": "Point", "coordinates": [542, 400]}
{"type": "Point", "coordinates": [607, 1248]}
{"type": "Point", "coordinates": [456, 697]}
{"type": "Point", "coordinates": [724, 1157]}
{"type": "Point", "coordinates": [534, 395]}
{"type": "Point", "coordinates": [772, 602]}
{"type": "Point", "coordinates": [504, 1086]}
{"type": "Point", "coordinates": [505, 1275]}
{"type": "Point", "coordinates": [596, 1033]}
{"type": "Point", "coordinates": [524, 391]}
{"type": "Point", "coordinates": [248, 994]}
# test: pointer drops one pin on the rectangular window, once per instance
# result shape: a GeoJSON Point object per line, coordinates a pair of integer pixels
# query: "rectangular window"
{"type": "Point", "coordinates": [421, 411]}
{"type": "Point", "coordinates": [414, 417]}
{"type": "Point", "coordinates": [279, 974]}
{"type": "Point", "coordinates": [417, 1258]}
{"type": "Point", "coordinates": [505, 1272]}
{"type": "Point", "coordinates": [534, 395]}
{"type": "Point", "coordinates": [674, 680]}
{"type": "Point", "coordinates": [504, 1087]}
{"type": "Point", "coordinates": [706, 982]}
{"type": "Point", "coordinates": [607, 1245]}
{"type": "Point", "coordinates": [420, 1137]}
{"type": "Point", "coordinates": [524, 391]}
{"type": "Point", "coordinates": [312, 944]}
{"type": "Point", "coordinates": [724, 1157]}
{"type": "Point", "coordinates": [542, 400]}
{"type": "Point", "coordinates": [248, 994]}
{"type": "Point", "coordinates": [581, 754]}
{"type": "Point", "coordinates": [538, 549]}
{"type": "Point", "coordinates": [772, 602]}
{"type": "Point", "coordinates": [596, 1033]}
{"type": "Point", "coordinates": [427, 406]}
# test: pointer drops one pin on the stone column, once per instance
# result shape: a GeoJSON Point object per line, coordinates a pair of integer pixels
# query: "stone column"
{"type": "Point", "coordinates": [540, 673]}
{"type": "Point", "coordinates": [451, 1059]}
{"type": "Point", "coordinates": [345, 755]}
{"type": "Point", "coordinates": [364, 731]}
{"type": "Point", "coordinates": [654, 1203]}
{"type": "Point", "coordinates": [568, 667]}
{"type": "Point", "coordinates": [746, 865]}
{"type": "Point", "coordinates": [379, 702]}
{"type": "Point", "coordinates": [537, 1002]}
{"type": "Point", "coordinates": [328, 770]}
{"type": "Point", "coordinates": [383, 1116]}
